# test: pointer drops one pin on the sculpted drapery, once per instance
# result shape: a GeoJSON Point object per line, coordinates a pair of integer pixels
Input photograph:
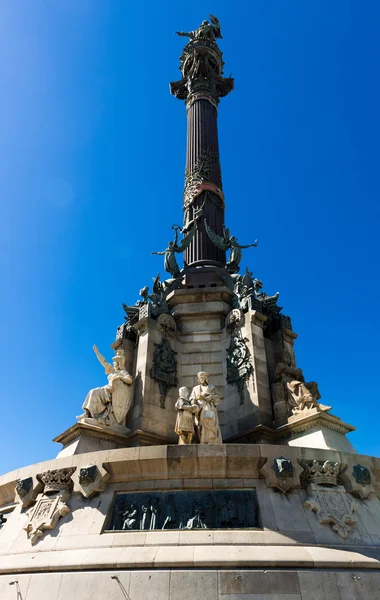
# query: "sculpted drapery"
{"type": "Point", "coordinates": [110, 404]}
{"type": "Point", "coordinates": [206, 398]}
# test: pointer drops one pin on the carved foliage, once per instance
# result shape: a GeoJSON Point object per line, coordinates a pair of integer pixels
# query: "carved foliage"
{"type": "Point", "coordinates": [200, 173]}
{"type": "Point", "coordinates": [239, 362]}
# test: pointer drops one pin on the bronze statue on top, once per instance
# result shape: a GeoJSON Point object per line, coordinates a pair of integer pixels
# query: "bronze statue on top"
{"type": "Point", "coordinates": [206, 31]}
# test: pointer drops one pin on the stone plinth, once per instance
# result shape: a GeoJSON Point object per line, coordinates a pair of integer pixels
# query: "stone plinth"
{"type": "Point", "coordinates": [316, 429]}
{"type": "Point", "coordinates": [84, 437]}
{"type": "Point", "coordinates": [295, 550]}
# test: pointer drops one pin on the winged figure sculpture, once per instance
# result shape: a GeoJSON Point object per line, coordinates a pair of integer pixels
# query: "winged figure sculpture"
{"type": "Point", "coordinates": [228, 242]}
{"type": "Point", "coordinates": [170, 261]}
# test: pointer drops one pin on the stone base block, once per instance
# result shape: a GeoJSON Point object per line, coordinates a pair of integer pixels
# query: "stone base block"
{"type": "Point", "coordinates": [83, 437]}
{"type": "Point", "coordinates": [314, 429]}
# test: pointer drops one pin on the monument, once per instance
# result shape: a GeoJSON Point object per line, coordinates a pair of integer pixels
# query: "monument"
{"type": "Point", "coordinates": [206, 466]}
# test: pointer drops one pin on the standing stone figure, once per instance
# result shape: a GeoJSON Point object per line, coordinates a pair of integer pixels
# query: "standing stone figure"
{"type": "Point", "coordinates": [110, 404]}
{"type": "Point", "coordinates": [206, 398]}
{"type": "Point", "coordinates": [184, 426]}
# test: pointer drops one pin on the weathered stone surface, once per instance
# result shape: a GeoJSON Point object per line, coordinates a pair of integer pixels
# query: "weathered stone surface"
{"type": "Point", "coordinates": [318, 586]}
{"type": "Point", "coordinates": [268, 582]}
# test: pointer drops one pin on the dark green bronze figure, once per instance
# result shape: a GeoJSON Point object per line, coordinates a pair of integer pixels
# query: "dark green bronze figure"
{"type": "Point", "coordinates": [205, 31]}
{"type": "Point", "coordinates": [170, 262]}
{"type": "Point", "coordinates": [228, 242]}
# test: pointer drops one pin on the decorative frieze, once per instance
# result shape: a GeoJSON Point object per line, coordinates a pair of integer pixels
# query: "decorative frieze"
{"type": "Point", "coordinates": [210, 509]}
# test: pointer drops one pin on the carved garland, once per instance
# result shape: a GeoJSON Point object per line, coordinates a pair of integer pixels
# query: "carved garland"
{"type": "Point", "coordinates": [239, 363]}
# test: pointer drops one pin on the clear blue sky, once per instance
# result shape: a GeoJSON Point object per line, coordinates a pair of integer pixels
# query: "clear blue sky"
{"type": "Point", "coordinates": [92, 153]}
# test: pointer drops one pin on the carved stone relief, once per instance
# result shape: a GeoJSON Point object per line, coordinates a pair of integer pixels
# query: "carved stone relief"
{"type": "Point", "coordinates": [46, 514]}
{"type": "Point", "coordinates": [27, 490]}
{"type": "Point", "coordinates": [333, 506]}
{"type": "Point", "coordinates": [322, 473]}
{"type": "Point", "coordinates": [90, 480]}
{"type": "Point", "coordinates": [329, 501]}
{"type": "Point", "coordinates": [166, 325]}
{"type": "Point", "coordinates": [358, 480]}
{"type": "Point", "coordinates": [164, 369]}
{"type": "Point", "coordinates": [282, 473]}
{"type": "Point", "coordinates": [239, 362]}
{"type": "Point", "coordinates": [212, 509]}
{"type": "Point", "coordinates": [291, 388]}
{"type": "Point", "coordinates": [50, 505]}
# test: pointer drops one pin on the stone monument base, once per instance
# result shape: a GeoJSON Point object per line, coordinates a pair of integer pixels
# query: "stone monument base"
{"type": "Point", "coordinates": [90, 437]}
{"type": "Point", "coordinates": [314, 428]}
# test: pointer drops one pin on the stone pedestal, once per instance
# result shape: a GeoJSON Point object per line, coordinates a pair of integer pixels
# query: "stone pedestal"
{"type": "Point", "coordinates": [316, 429]}
{"type": "Point", "coordinates": [311, 540]}
{"type": "Point", "coordinates": [84, 437]}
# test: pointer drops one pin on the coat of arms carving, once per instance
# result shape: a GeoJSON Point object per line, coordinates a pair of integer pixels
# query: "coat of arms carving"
{"type": "Point", "coordinates": [332, 505]}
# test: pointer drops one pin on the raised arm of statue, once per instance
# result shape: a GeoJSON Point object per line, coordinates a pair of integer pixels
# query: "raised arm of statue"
{"type": "Point", "coordinates": [189, 34]}
{"type": "Point", "coordinates": [108, 368]}
{"type": "Point", "coordinates": [254, 245]}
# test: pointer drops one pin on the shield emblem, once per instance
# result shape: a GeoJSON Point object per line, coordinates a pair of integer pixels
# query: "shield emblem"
{"type": "Point", "coordinates": [122, 396]}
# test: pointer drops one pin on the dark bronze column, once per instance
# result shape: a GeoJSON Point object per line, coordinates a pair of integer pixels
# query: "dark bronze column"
{"type": "Point", "coordinates": [201, 86]}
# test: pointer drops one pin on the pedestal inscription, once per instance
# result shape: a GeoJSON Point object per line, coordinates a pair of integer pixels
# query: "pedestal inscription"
{"type": "Point", "coordinates": [211, 509]}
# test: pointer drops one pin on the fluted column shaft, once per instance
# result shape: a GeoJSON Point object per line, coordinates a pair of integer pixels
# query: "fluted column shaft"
{"type": "Point", "coordinates": [203, 149]}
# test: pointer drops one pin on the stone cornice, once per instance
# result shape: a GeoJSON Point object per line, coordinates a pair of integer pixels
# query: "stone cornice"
{"type": "Point", "coordinates": [317, 419]}
{"type": "Point", "coordinates": [147, 463]}
{"type": "Point", "coordinates": [80, 429]}
{"type": "Point", "coordinates": [253, 555]}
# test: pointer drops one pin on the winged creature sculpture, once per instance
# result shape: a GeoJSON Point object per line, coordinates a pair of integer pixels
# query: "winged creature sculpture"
{"type": "Point", "coordinates": [170, 261]}
{"type": "Point", "coordinates": [228, 242]}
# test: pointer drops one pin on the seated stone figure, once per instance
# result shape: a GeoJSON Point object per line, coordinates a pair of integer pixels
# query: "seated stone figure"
{"type": "Point", "coordinates": [110, 404]}
{"type": "Point", "coordinates": [301, 394]}
{"type": "Point", "coordinates": [206, 398]}
{"type": "Point", "coordinates": [184, 426]}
